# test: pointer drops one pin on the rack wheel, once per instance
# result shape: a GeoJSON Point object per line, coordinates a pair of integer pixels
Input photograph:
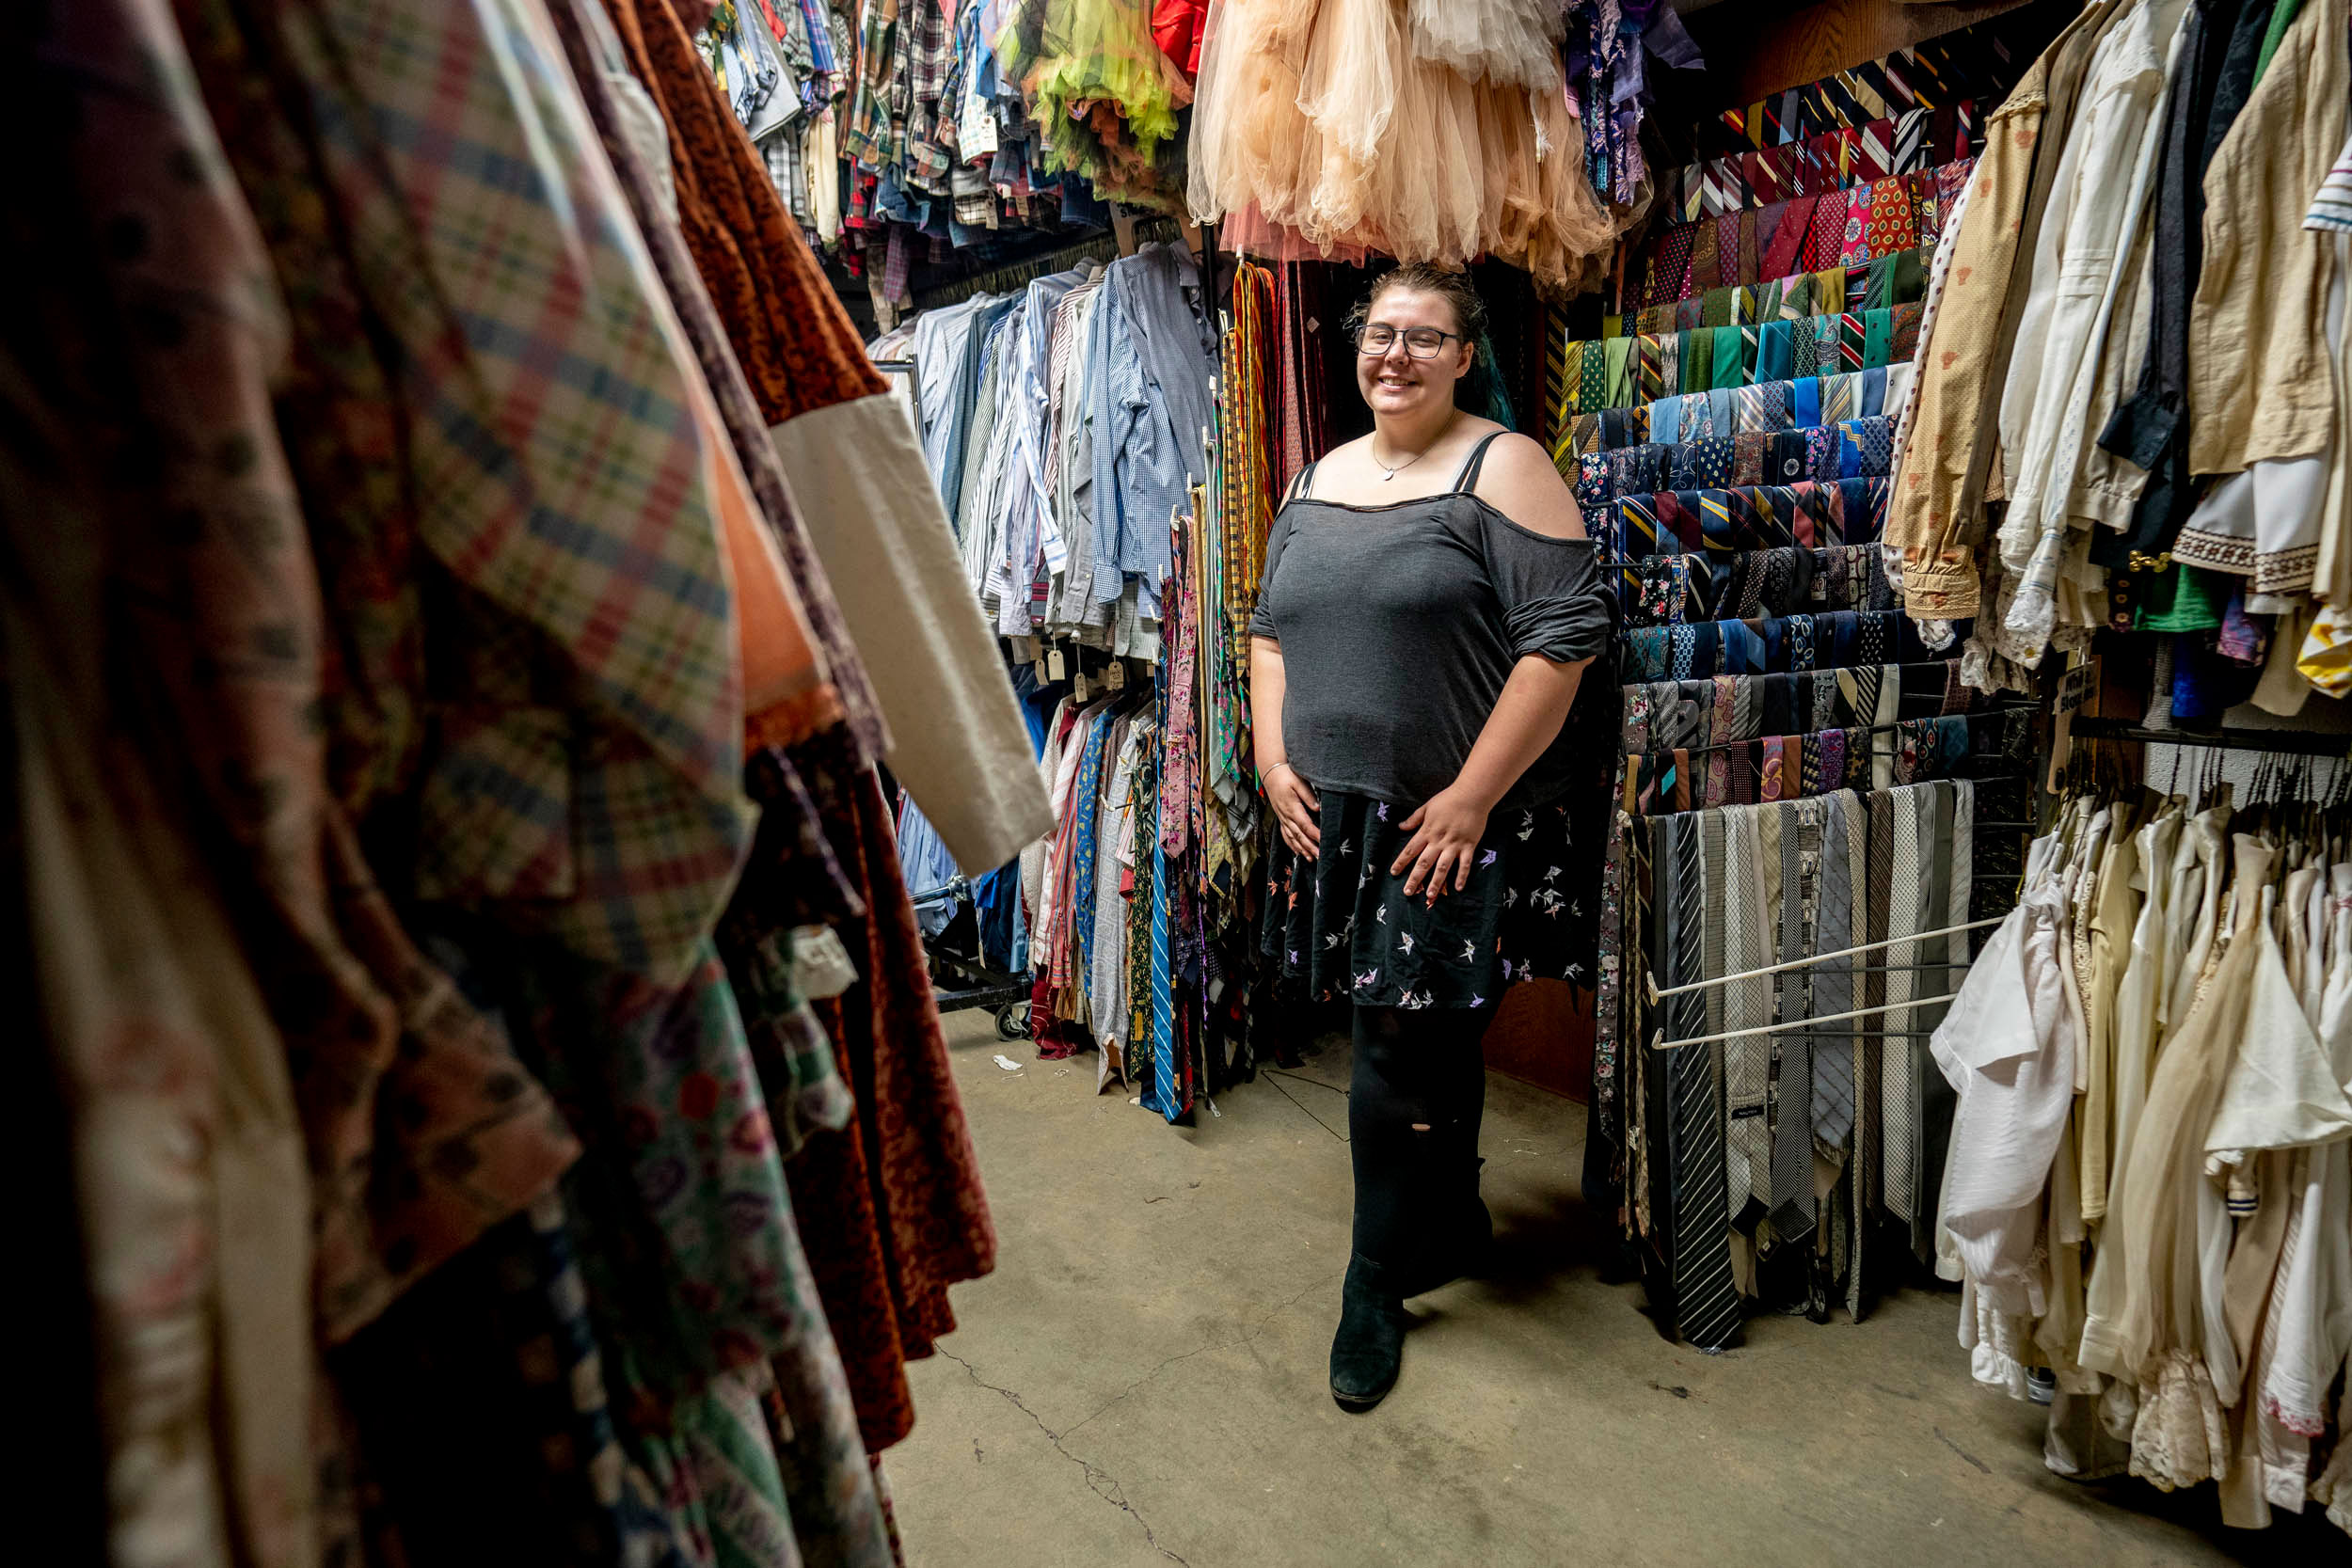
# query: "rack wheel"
{"type": "Point", "coordinates": [1012, 1020]}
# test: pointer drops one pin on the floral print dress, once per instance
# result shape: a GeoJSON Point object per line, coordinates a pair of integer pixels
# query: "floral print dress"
{"type": "Point", "coordinates": [1342, 923]}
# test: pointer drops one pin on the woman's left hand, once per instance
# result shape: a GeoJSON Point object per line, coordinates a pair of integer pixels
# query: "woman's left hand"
{"type": "Point", "coordinates": [1444, 846]}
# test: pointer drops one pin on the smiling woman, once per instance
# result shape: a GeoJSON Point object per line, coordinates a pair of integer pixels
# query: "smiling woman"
{"type": "Point", "coordinates": [1429, 605]}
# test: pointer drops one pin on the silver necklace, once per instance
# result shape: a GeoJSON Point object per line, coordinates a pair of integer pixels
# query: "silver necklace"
{"type": "Point", "coordinates": [1387, 473]}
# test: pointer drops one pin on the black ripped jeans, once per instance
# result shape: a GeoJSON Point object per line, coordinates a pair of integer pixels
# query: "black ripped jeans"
{"type": "Point", "coordinates": [1414, 1104]}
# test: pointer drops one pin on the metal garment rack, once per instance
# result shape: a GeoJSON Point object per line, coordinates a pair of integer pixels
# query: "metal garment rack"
{"type": "Point", "coordinates": [2291, 742]}
{"type": "Point", "coordinates": [1843, 729]}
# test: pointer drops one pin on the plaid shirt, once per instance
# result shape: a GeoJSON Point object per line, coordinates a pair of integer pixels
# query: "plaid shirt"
{"type": "Point", "coordinates": [871, 135]}
{"type": "Point", "coordinates": [931, 119]}
{"type": "Point", "coordinates": [590, 784]}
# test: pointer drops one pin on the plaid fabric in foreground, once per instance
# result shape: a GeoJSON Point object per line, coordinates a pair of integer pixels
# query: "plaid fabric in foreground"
{"type": "Point", "coordinates": [558, 475]}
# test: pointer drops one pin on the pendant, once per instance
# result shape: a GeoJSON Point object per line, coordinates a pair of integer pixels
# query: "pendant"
{"type": "Point", "coordinates": [1389, 475]}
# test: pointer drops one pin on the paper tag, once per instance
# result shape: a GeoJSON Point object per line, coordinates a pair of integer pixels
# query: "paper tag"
{"type": "Point", "coordinates": [1115, 675]}
{"type": "Point", "coordinates": [2078, 686]}
{"type": "Point", "coordinates": [1031, 649]}
{"type": "Point", "coordinates": [1078, 690]}
{"type": "Point", "coordinates": [1055, 669]}
{"type": "Point", "coordinates": [976, 128]}
{"type": "Point", "coordinates": [1044, 676]}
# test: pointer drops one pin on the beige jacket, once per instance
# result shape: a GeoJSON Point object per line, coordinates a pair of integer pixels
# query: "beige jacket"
{"type": "Point", "coordinates": [1956, 370]}
{"type": "Point", "coordinates": [2260, 385]}
{"type": "Point", "coordinates": [1934, 516]}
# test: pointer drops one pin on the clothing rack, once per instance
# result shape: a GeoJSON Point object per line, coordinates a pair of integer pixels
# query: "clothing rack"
{"type": "Point", "coordinates": [1017, 275]}
{"type": "Point", "coordinates": [2293, 742]}
{"type": "Point", "coordinates": [1844, 729]}
{"type": "Point", "coordinates": [1660, 1042]}
{"type": "Point", "coordinates": [1656, 994]}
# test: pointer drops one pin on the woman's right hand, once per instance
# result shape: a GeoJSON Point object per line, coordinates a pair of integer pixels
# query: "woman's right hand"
{"type": "Point", "coordinates": [1296, 811]}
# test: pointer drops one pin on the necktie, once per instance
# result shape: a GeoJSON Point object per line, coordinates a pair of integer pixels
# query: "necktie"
{"type": "Point", "coordinates": [1822, 449]}
{"type": "Point", "coordinates": [1714, 956]}
{"type": "Point", "coordinates": [1804, 348]}
{"type": "Point", "coordinates": [1952, 845]}
{"type": "Point", "coordinates": [1748, 450]}
{"type": "Point", "coordinates": [1719, 183]}
{"type": "Point", "coordinates": [1907, 905]}
{"type": "Point", "coordinates": [1910, 140]}
{"type": "Point", "coordinates": [1902, 338]}
{"type": "Point", "coordinates": [1839, 395]}
{"type": "Point", "coordinates": [1747, 910]}
{"type": "Point", "coordinates": [1869, 1140]}
{"type": "Point", "coordinates": [1726, 371]}
{"type": "Point", "coordinates": [1828, 330]}
{"type": "Point", "coordinates": [1805, 402]}
{"type": "Point", "coordinates": [1748, 1081]}
{"type": "Point", "coordinates": [1707, 1309]}
{"type": "Point", "coordinates": [1873, 403]}
{"type": "Point", "coordinates": [1665, 419]}
{"type": "Point", "coordinates": [1792, 1211]}
{"type": "Point", "coordinates": [1163, 1081]}
{"type": "Point", "coordinates": [1563, 362]}
{"type": "Point", "coordinates": [1608, 1107]}
{"type": "Point", "coordinates": [1592, 377]}
{"type": "Point", "coordinates": [1878, 338]}
{"type": "Point", "coordinates": [1833, 982]}
{"type": "Point", "coordinates": [1726, 729]}
{"type": "Point", "coordinates": [1617, 387]}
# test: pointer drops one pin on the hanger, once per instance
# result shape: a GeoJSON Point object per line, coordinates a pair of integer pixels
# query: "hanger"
{"type": "Point", "coordinates": [1656, 995]}
{"type": "Point", "coordinates": [1660, 1042]}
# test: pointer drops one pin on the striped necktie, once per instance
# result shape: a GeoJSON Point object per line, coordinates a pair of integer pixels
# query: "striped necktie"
{"type": "Point", "coordinates": [1833, 982]}
{"type": "Point", "coordinates": [1559, 375]}
{"type": "Point", "coordinates": [1840, 398]}
{"type": "Point", "coordinates": [1637, 522]}
{"type": "Point", "coordinates": [1792, 1208]}
{"type": "Point", "coordinates": [1852, 335]}
{"type": "Point", "coordinates": [1706, 1307]}
{"type": "Point", "coordinates": [1910, 140]}
{"type": "Point", "coordinates": [1870, 1084]}
{"type": "Point", "coordinates": [1898, 1128]}
{"type": "Point", "coordinates": [1161, 1093]}
{"type": "Point", "coordinates": [1741, 902]}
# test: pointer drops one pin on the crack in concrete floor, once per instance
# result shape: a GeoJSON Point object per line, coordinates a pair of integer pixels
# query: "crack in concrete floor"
{"type": "Point", "coordinates": [1097, 1475]}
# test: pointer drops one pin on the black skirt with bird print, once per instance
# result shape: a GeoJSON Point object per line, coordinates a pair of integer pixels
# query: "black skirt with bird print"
{"type": "Point", "coordinates": [1343, 924]}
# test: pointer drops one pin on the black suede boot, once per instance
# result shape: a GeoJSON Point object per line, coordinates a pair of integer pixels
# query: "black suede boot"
{"type": "Point", "coordinates": [1457, 1232]}
{"type": "Point", "coordinates": [1370, 1344]}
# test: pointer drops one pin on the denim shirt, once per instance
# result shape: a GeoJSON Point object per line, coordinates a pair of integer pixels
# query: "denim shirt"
{"type": "Point", "coordinates": [1152, 410]}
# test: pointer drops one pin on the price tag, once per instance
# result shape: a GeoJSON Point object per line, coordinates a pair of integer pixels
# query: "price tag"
{"type": "Point", "coordinates": [1044, 676]}
{"type": "Point", "coordinates": [1056, 670]}
{"type": "Point", "coordinates": [2075, 688]}
{"type": "Point", "coordinates": [1115, 675]}
{"type": "Point", "coordinates": [1078, 690]}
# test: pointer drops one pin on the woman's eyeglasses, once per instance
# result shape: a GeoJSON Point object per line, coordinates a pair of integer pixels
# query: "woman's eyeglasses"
{"type": "Point", "coordinates": [1421, 342]}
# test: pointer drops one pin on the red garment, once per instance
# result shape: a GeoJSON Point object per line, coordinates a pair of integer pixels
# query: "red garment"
{"type": "Point", "coordinates": [1176, 28]}
{"type": "Point", "coordinates": [890, 1207]}
{"type": "Point", "coordinates": [798, 347]}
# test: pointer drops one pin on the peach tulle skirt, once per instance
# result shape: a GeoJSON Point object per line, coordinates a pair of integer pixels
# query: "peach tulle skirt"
{"type": "Point", "coordinates": [1321, 129]}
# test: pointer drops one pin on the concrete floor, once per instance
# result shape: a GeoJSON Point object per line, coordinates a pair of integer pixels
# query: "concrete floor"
{"type": "Point", "coordinates": [1142, 1379]}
